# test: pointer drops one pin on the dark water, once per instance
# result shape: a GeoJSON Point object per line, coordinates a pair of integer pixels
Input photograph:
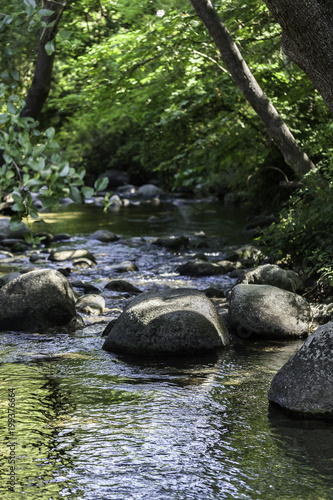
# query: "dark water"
{"type": "Point", "coordinates": [86, 424]}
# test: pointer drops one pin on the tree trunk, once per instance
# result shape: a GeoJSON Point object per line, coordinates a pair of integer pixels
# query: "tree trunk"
{"type": "Point", "coordinates": [41, 82]}
{"type": "Point", "coordinates": [293, 155]}
{"type": "Point", "coordinates": [307, 38]}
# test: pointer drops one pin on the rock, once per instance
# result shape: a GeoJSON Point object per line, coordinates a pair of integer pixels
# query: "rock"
{"type": "Point", "coordinates": [124, 267]}
{"type": "Point", "coordinates": [6, 232]}
{"type": "Point", "coordinates": [197, 268]}
{"type": "Point", "coordinates": [304, 385]}
{"type": "Point", "coordinates": [270, 274]}
{"type": "Point", "coordinates": [214, 292]}
{"type": "Point", "coordinates": [168, 322]}
{"type": "Point", "coordinates": [321, 313]}
{"type": "Point", "coordinates": [247, 254]}
{"type": "Point", "coordinates": [15, 244]}
{"type": "Point", "coordinates": [37, 300]}
{"type": "Point", "coordinates": [114, 202]}
{"type": "Point", "coordinates": [268, 311]}
{"type": "Point", "coordinates": [229, 266]}
{"type": "Point", "coordinates": [174, 243]}
{"type": "Point", "coordinates": [61, 255]}
{"type": "Point", "coordinates": [8, 277]}
{"type": "Point", "coordinates": [91, 304]}
{"type": "Point", "coordinates": [104, 236]}
{"type": "Point", "coordinates": [116, 178]}
{"type": "Point", "coordinates": [62, 237]}
{"type": "Point", "coordinates": [84, 286]}
{"type": "Point", "coordinates": [83, 263]}
{"type": "Point", "coordinates": [149, 191]}
{"type": "Point", "coordinates": [122, 286]}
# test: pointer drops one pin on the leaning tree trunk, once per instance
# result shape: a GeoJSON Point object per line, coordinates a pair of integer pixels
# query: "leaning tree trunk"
{"type": "Point", "coordinates": [248, 85]}
{"type": "Point", "coordinates": [307, 38]}
{"type": "Point", "coordinates": [41, 83]}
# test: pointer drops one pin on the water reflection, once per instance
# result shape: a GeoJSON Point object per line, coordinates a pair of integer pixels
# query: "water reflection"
{"type": "Point", "coordinates": [308, 441]}
{"type": "Point", "coordinates": [34, 447]}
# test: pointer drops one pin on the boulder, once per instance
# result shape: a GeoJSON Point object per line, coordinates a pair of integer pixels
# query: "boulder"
{"type": "Point", "coordinates": [91, 304]}
{"type": "Point", "coordinates": [268, 311]}
{"type": "Point", "coordinates": [168, 322]}
{"type": "Point", "coordinates": [200, 268]}
{"type": "Point", "coordinates": [248, 255]}
{"type": "Point", "coordinates": [62, 255]}
{"type": "Point", "coordinates": [116, 178]}
{"type": "Point", "coordinates": [8, 277]}
{"type": "Point", "coordinates": [304, 385]}
{"type": "Point", "coordinates": [104, 236]}
{"type": "Point", "coordinates": [174, 243]}
{"type": "Point", "coordinates": [270, 274]}
{"type": "Point", "coordinates": [122, 286]}
{"type": "Point", "coordinates": [37, 300]}
{"type": "Point", "coordinates": [149, 191]}
{"type": "Point", "coordinates": [6, 232]}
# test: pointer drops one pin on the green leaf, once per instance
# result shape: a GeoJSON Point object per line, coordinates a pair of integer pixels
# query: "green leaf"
{"type": "Point", "coordinates": [49, 48]}
{"type": "Point", "coordinates": [4, 118]}
{"type": "Point", "coordinates": [101, 184]}
{"type": "Point", "coordinates": [45, 12]}
{"type": "Point", "coordinates": [30, 3]}
{"type": "Point", "coordinates": [50, 133]}
{"type": "Point", "coordinates": [88, 192]}
{"type": "Point", "coordinates": [16, 223]}
{"type": "Point", "coordinates": [64, 34]}
{"type": "Point", "coordinates": [75, 195]}
{"type": "Point", "coordinates": [15, 74]}
{"type": "Point", "coordinates": [65, 171]}
{"type": "Point", "coordinates": [11, 108]}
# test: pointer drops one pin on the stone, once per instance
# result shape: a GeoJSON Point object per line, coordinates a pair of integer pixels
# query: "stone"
{"type": "Point", "coordinates": [149, 191]}
{"type": "Point", "coordinates": [270, 274]}
{"type": "Point", "coordinates": [174, 243]}
{"type": "Point", "coordinates": [6, 232]}
{"type": "Point", "coordinates": [197, 268]}
{"type": "Point", "coordinates": [174, 321]}
{"type": "Point", "coordinates": [116, 178]}
{"type": "Point", "coordinates": [268, 311]}
{"type": "Point", "coordinates": [62, 255]}
{"type": "Point", "coordinates": [8, 277]}
{"type": "Point", "coordinates": [91, 304]}
{"type": "Point", "coordinates": [124, 267]}
{"type": "Point", "coordinates": [37, 300]}
{"type": "Point", "coordinates": [122, 286]}
{"type": "Point", "coordinates": [104, 236]}
{"type": "Point", "coordinates": [304, 385]}
{"type": "Point", "coordinates": [247, 254]}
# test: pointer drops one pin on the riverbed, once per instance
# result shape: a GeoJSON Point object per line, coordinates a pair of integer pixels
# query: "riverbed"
{"type": "Point", "coordinates": [88, 424]}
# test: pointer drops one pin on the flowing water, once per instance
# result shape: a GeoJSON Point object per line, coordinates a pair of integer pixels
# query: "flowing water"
{"type": "Point", "coordinates": [81, 423]}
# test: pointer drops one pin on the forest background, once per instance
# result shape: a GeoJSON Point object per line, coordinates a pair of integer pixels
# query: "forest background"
{"type": "Point", "coordinates": [140, 87]}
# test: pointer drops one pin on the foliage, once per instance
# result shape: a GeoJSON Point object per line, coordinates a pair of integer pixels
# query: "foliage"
{"type": "Point", "coordinates": [304, 232]}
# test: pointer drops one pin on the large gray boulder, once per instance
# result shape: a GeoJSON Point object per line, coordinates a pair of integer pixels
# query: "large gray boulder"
{"type": "Point", "coordinates": [268, 311]}
{"type": "Point", "coordinates": [270, 274]}
{"type": "Point", "coordinates": [304, 384]}
{"type": "Point", "coordinates": [37, 300]}
{"type": "Point", "coordinates": [168, 322]}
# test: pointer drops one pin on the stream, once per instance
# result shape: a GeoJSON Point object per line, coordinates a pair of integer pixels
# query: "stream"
{"type": "Point", "coordinates": [88, 424]}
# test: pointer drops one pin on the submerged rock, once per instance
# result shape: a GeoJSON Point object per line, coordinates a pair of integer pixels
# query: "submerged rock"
{"type": "Point", "coordinates": [168, 322]}
{"type": "Point", "coordinates": [37, 300]}
{"type": "Point", "coordinates": [304, 385]}
{"type": "Point", "coordinates": [270, 274]}
{"type": "Point", "coordinates": [268, 311]}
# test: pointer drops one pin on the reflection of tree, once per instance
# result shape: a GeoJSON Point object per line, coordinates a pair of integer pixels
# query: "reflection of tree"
{"type": "Point", "coordinates": [42, 458]}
